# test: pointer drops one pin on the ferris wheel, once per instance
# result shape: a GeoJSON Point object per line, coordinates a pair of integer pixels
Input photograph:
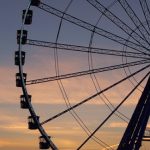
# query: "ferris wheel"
{"type": "Point", "coordinates": [88, 72]}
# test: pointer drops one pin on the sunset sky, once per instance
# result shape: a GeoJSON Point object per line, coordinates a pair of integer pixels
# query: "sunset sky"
{"type": "Point", "coordinates": [47, 98]}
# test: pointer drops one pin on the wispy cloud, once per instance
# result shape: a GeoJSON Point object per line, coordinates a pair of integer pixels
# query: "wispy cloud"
{"type": "Point", "coordinates": [118, 125]}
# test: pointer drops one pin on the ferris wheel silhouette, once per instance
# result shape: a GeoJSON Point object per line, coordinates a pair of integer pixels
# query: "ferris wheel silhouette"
{"type": "Point", "coordinates": [107, 54]}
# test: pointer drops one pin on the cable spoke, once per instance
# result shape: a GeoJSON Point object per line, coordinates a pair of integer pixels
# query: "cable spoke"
{"type": "Point", "coordinates": [146, 11]}
{"type": "Point", "coordinates": [90, 27]}
{"type": "Point", "coordinates": [93, 96]}
{"type": "Point", "coordinates": [120, 104]}
{"type": "Point", "coordinates": [117, 21]}
{"type": "Point", "coordinates": [85, 49]}
{"type": "Point", "coordinates": [82, 73]}
{"type": "Point", "coordinates": [134, 18]}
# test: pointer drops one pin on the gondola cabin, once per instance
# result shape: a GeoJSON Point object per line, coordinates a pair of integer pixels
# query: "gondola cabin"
{"type": "Point", "coordinates": [23, 103]}
{"type": "Point", "coordinates": [18, 79]}
{"type": "Point", "coordinates": [35, 2]}
{"type": "Point", "coordinates": [42, 143]}
{"type": "Point", "coordinates": [17, 58]}
{"type": "Point", "coordinates": [24, 36]}
{"type": "Point", "coordinates": [31, 124]}
{"type": "Point", "coordinates": [28, 19]}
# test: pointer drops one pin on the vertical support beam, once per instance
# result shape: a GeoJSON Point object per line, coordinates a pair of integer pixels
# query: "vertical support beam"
{"type": "Point", "coordinates": [134, 133]}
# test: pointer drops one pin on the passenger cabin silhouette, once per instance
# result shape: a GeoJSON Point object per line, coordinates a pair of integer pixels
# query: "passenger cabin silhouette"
{"type": "Point", "coordinates": [24, 36]}
{"type": "Point", "coordinates": [42, 143]}
{"type": "Point", "coordinates": [23, 103]}
{"type": "Point", "coordinates": [31, 124]}
{"type": "Point", "coordinates": [28, 19]}
{"type": "Point", "coordinates": [18, 79]}
{"type": "Point", "coordinates": [17, 58]}
{"type": "Point", "coordinates": [35, 2]}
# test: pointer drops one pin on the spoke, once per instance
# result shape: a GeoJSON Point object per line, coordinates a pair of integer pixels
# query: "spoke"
{"type": "Point", "coordinates": [134, 18]}
{"type": "Point", "coordinates": [117, 21]}
{"type": "Point", "coordinates": [146, 11]}
{"type": "Point", "coordinates": [85, 49]}
{"type": "Point", "coordinates": [91, 27]}
{"type": "Point", "coordinates": [120, 104]}
{"type": "Point", "coordinates": [82, 73]}
{"type": "Point", "coordinates": [93, 96]}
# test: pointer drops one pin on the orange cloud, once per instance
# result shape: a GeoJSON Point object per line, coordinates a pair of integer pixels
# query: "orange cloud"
{"type": "Point", "coordinates": [118, 125]}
